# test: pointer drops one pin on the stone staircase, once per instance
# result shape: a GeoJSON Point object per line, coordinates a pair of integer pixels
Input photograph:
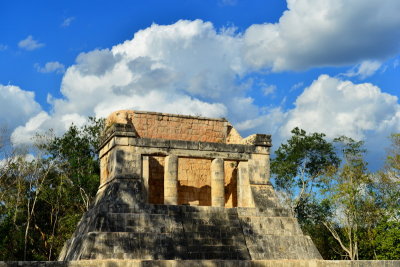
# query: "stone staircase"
{"type": "Point", "coordinates": [214, 233]}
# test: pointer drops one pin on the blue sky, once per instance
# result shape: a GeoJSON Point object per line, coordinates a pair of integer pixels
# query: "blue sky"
{"type": "Point", "coordinates": [326, 66]}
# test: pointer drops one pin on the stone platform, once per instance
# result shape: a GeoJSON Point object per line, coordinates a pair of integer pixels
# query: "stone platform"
{"type": "Point", "coordinates": [120, 227]}
{"type": "Point", "coordinates": [200, 263]}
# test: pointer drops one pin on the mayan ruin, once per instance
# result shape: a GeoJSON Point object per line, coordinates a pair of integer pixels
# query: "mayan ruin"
{"type": "Point", "coordinates": [176, 187]}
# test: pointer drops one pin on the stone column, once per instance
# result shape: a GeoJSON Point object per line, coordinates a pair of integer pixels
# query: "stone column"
{"type": "Point", "coordinates": [171, 180]}
{"type": "Point", "coordinates": [146, 176]}
{"type": "Point", "coordinates": [217, 183]}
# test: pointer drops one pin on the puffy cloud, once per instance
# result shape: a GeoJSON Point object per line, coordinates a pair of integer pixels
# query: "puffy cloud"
{"type": "Point", "coordinates": [336, 107]}
{"type": "Point", "coordinates": [187, 67]}
{"type": "Point", "coordinates": [24, 134]}
{"type": "Point", "coordinates": [52, 66]}
{"type": "Point", "coordinates": [364, 69]}
{"type": "Point", "coordinates": [16, 106]}
{"type": "Point", "coordinates": [164, 68]}
{"type": "Point", "coordinates": [30, 44]}
{"type": "Point", "coordinates": [325, 33]}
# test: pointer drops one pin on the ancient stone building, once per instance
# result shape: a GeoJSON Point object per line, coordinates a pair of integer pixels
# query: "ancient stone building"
{"type": "Point", "coordinates": [184, 187]}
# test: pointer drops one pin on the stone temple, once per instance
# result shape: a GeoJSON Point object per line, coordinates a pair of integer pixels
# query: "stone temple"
{"type": "Point", "coordinates": [185, 188]}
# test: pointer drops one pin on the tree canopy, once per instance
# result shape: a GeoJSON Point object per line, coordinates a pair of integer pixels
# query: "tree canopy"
{"type": "Point", "coordinates": [44, 191]}
{"type": "Point", "coordinates": [349, 212]}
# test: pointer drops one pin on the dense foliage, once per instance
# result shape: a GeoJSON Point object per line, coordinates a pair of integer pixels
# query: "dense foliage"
{"type": "Point", "coordinates": [44, 191]}
{"type": "Point", "coordinates": [348, 212]}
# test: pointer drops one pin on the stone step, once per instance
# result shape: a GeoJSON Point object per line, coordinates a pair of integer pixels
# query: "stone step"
{"type": "Point", "coordinates": [189, 211]}
{"type": "Point", "coordinates": [99, 245]}
{"type": "Point", "coordinates": [266, 212]}
{"type": "Point", "coordinates": [270, 226]}
{"type": "Point", "coordinates": [161, 223]}
{"type": "Point", "coordinates": [145, 246]}
{"type": "Point", "coordinates": [134, 222]}
{"type": "Point", "coordinates": [281, 247]}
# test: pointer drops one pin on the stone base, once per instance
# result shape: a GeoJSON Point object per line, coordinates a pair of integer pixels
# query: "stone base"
{"type": "Point", "coordinates": [195, 263]}
{"type": "Point", "coordinates": [120, 226]}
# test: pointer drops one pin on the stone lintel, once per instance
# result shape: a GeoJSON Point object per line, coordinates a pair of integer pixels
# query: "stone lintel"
{"type": "Point", "coordinates": [154, 151]}
{"type": "Point", "coordinates": [120, 138]}
{"type": "Point", "coordinates": [192, 153]}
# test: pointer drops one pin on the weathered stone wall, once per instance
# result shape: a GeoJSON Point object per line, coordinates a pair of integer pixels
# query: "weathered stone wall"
{"type": "Point", "coordinates": [173, 127]}
{"type": "Point", "coordinates": [233, 136]}
{"type": "Point", "coordinates": [194, 183]}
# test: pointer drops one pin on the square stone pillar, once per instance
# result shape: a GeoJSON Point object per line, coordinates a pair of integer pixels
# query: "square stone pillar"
{"type": "Point", "coordinates": [217, 183]}
{"type": "Point", "coordinates": [124, 163]}
{"type": "Point", "coordinates": [245, 197]}
{"type": "Point", "coordinates": [171, 180]}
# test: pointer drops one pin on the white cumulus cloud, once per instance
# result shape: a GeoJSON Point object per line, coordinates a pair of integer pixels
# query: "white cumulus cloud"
{"type": "Point", "coordinates": [187, 68]}
{"type": "Point", "coordinates": [336, 107]}
{"type": "Point", "coordinates": [52, 66]}
{"type": "Point", "coordinates": [30, 44]}
{"type": "Point", "coordinates": [325, 33]}
{"type": "Point", "coordinates": [190, 67]}
{"type": "Point", "coordinates": [16, 106]}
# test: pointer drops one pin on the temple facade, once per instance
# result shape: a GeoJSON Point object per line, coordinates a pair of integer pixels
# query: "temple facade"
{"type": "Point", "coordinates": [185, 187]}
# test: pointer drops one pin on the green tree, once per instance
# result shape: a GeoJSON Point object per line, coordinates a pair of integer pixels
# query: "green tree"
{"type": "Point", "coordinates": [76, 157]}
{"type": "Point", "coordinates": [74, 185]}
{"type": "Point", "coordinates": [299, 165]}
{"type": "Point", "coordinates": [387, 232]}
{"type": "Point", "coordinates": [350, 192]}
{"type": "Point", "coordinates": [42, 198]}
{"type": "Point", "coordinates": [298, 169]}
